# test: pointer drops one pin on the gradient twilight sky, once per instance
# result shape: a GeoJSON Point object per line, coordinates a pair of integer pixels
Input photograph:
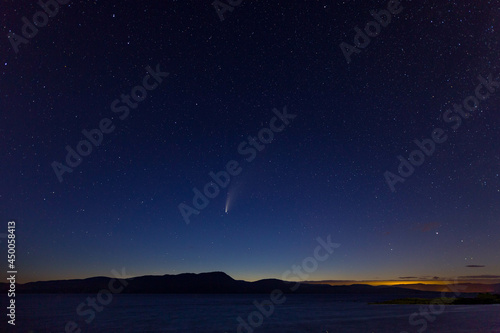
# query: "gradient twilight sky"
{"type": "Point", "coordinates": [322, 175]}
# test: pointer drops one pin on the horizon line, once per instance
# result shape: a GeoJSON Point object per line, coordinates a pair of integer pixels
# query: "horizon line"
{"type": "Point", "coordinates": [480, 279]}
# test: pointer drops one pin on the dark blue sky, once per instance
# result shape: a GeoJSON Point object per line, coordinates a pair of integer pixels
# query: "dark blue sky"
{"type": "Point", "coordinates": [322, 175]}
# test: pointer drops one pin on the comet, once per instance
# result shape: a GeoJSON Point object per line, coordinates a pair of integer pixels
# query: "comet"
{"type": "Point", "coordinates": [228, 201]}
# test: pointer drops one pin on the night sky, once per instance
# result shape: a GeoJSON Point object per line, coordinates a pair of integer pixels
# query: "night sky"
{"type": "Point", "coordinates": [323, 174]}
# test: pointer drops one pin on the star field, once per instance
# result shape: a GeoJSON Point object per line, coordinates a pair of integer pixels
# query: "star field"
{"type": "Point", "coordinates": [322, 175]}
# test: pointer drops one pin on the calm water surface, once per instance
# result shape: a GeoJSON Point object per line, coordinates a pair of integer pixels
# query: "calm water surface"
{"type": "Point", "coordinates": [219, 313]}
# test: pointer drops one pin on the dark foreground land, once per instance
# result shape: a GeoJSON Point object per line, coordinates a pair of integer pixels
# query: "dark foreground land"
{"type": "Point", "coordinates": [485, 298]}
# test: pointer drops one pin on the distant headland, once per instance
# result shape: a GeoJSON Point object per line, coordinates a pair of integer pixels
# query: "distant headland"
{"type": "Point", "coordinates": [204, 283]}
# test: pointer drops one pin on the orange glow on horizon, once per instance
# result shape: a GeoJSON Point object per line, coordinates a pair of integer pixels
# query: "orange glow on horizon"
{"type": "Point", "coordinates": [466, 286]}
{"type": "Point", "coordinates": [386, 283]}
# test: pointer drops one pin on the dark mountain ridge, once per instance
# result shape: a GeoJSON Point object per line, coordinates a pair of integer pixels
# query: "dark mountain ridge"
{"type": "Point", "coordinates": [190, 283]}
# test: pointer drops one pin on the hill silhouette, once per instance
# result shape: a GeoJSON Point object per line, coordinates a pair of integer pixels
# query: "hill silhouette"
{"type": "Point", "coordinates": [202, 283]}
